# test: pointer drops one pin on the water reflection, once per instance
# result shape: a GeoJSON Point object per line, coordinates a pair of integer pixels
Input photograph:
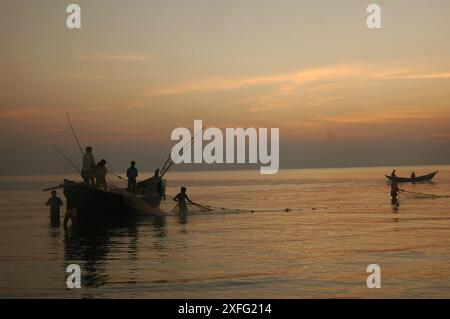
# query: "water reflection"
{"type": "Point", "coordinates": [159, 223]}
{"type": "Point", "coordinates": [182, 217]}
{"type": "Point", "coordinates": [90, 245]}
{"type": "Point", "coordinates": [133, 235]}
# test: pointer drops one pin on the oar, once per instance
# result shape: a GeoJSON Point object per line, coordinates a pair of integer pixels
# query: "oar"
{"type": "Point", "coordinates": [52, 188]}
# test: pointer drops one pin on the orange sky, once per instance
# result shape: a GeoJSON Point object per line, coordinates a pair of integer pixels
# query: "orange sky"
{"type": "Point", "coordinates": [134, 72]}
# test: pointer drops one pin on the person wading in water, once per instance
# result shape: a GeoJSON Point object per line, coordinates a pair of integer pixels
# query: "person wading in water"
{"type": "Point", "coordinates": [181, 199]}
{"type": "Point", "coordinates": [394, 191]}
{"type": "Point", "coordinates": [55, 204]}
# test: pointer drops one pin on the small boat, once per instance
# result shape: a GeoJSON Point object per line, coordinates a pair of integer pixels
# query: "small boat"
{"type": "Point", "coordinates": [423, 178]}
{"type": "Point", "coordinates": [93, 203]}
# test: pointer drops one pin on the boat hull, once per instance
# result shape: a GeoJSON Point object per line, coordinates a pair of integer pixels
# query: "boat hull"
{"type": "Point", "coordinates": [424, 178]}
{"type": "Point", "coordinates": [93, 203]}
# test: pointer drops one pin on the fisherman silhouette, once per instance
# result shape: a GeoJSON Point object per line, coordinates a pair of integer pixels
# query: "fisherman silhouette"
{"type": "Point", "coordinates": [55, 204]}
{"type": "Point", "coordinates": [88, 171]}
{"type": "Point", "coordinates": [394, 192]}
{"type": "Point", "coordinates": [132, 174]}
{"type": "Point", "coordinates": [181, 199]}
{"type": "Point", "coordinates": [393, 175]}
{"type": "Point", "coordinates": [71, 215]}
{"type": "Point", "coordinates": [100, 174]}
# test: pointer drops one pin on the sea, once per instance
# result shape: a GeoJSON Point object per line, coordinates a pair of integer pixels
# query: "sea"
{"type": "Point", "coordinates": [303, 233]}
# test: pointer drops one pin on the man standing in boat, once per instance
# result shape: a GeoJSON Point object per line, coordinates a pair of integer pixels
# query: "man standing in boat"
{"type": "Point", "coordinates": [100, 174]}
{"type": "Point", "coordinates": [132, 174]}
{"type": "Point", "coordinates": [88, 171]}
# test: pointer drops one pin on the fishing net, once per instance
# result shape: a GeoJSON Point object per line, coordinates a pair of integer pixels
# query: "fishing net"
{"type": "Point", "coordinates": [421, 195]}
{"type": "Point", "coordinates": [208, 209]}
{"type": "Point", "coordinates": [205, 209]}
{"type": "Point", "coordinates": [138, 202]}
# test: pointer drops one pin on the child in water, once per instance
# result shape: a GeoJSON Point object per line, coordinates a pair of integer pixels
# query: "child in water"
{"type": "Point", "coordinates": [182, 197]}
{"type": "Point", "coordinates": [55, 204]}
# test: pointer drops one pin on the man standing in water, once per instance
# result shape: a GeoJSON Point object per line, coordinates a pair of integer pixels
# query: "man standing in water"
{"type": "Point", "coordinates": [181, 199]}
{"type": "Point", "coordinates": [55, 204]}
{"type": "Point", "coordinates": [88, 171]}
{"type": "Point", "coordinates": [394, 191]}
{"type": "Point", "coordinates": [393, 175]}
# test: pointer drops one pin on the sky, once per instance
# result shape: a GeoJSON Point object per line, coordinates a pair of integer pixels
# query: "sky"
{"type": "Point", "coordinates": [341, 94]}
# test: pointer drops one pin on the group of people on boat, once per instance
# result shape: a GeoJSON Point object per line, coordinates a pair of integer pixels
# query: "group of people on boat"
{"type": "Point", "coordinates": [95, 173]}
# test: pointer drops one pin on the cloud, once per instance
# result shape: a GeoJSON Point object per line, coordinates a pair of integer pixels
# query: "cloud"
{"type": "Point", "coordinates": [115, 57]}
{"type": "Point", "coordinates": [288, 82]}
{"type": "Point", "coordinates": [20, 113]}
{"type": "Point", "coordinates": [444, 75]}
{"type": "Point", "coordinates": [285, 81]}
{"type": "Point", "coordinates": [401, 123]}
{"type": "Point", "coordinates": [386, 117]}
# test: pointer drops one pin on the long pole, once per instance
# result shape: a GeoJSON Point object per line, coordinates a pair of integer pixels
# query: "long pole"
{"type": "Point", "coordinates": [74, 134]}
{"type": "Point", "coordinates": [66, 158]}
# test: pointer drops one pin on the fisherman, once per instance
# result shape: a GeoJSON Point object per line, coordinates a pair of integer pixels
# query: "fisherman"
{"type": "Point", "coordinates": [413, 175]}
{"type": "Point", "coordinates": [393, 175]}
{"type": "Point", "coordinates": [100, 174]}
{"type": "Point", "coordinates": [394, 191]}
{"type": "Point", "coordinates": [88, 171]}
{"type": "Point", "coordinates": [132, 174]}
{"type": "Point", "coordinates": [71, 214]}
{"type": "Point", "coordinates": [55, 204]}
{"type": "Point", "coordinates": [181, 199]}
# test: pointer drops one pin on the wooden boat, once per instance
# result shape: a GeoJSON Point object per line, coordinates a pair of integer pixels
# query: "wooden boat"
{"type": "Point", "coordinates": [423, 178]}
{"type": "Point", "coordinates": [92, 202]}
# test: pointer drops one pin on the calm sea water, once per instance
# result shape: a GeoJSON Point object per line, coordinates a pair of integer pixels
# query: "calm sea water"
{"type": "Point", "coordinates": [341, 221]}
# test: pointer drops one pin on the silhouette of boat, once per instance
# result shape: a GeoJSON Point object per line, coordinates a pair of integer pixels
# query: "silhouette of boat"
{"type": "Point", "coordinates": [93, 203]}
{"type": "Point", "coordinates": [423, 178]}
